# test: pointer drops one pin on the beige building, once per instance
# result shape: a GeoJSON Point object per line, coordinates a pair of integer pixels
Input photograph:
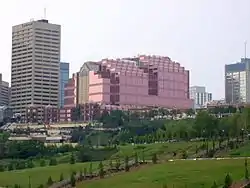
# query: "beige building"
{"type": "Point", "coordinates": [4, 92]}
{"type": "Point", "coordinates": [35, 65]}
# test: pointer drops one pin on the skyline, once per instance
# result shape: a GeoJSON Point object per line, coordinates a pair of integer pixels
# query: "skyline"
{"type": "Point", "coordinates": [92, 30]}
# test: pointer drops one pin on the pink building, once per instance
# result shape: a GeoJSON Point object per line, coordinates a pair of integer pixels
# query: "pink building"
{"type": "Point", "coordinates": [141, 81]}
{"type": "Point", "coordinates": [70, 92]}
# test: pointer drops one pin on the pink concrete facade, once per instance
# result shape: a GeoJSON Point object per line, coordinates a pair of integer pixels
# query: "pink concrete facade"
{"type": "Point", "coordinates": [70, 92]}
{"type": "Point", "coordinates": [141, 81]}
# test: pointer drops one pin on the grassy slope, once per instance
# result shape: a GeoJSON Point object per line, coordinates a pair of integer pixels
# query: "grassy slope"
{"type": "Point", "coordinates": [179, 173]}
{"type": "Point", "coordinates": [164, 149]}
{"type": "Point", "coordinates": [40, 175]}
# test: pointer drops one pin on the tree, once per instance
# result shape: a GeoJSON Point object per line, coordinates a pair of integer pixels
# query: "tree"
{"type": "Point", "coordinates": [42, 163]}
{"type": "Point", "coordinates": [2, 168]}
{"type": "Point", "coordinates": [53, 162]}
{"type": "Point", "coordinates": [126, 161]}
{"type": "Point", "coordinates": [90, 170]}
{"type": "Point", "coordinates": [117, 164]}
{"type": "Point", "coordinates": [136, 159]}
{"type": "Point", "coordinates": [30, 164]}
{"type": "Point", "coordinates": [10, 166]}
{"type": "Point", "coordinates": [101, 170]}
{"type": "Point", "coordinates": [61, 177]}
{"type": "Point", "coordinates": [81, 175]}
{"type": "Point", "coordinates": [228, 181]}
{"type": "Point", "coordinates": [214, 185]}
{"type": "Point", "coordinates": [246, 171]}
{"type": "Point", "coordinates": [85, 172]}
{"type": "Point", "coordinates": [154, 158]}
{"type": "Point", "coordinates": [72, 158]}
{"type": "Point", "coordinates": [41, 186]}
{"type": "Point", "coordinates": [17, 186]}
{"type": "Point", "coordinates": [50, 181]}
{"type": "Point", "coordinates": [72, 180]}
{"type": "Point", "coordinates": [110, 164]}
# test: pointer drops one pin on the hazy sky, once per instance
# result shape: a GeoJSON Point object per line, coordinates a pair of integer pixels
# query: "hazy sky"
{"type": "Point", "coordinates": [203, 35]}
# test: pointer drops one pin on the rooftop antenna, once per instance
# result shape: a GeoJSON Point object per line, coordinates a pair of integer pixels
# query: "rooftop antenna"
{"type": "Point", "coordinates": [245, 49]}
{"type": "Point", "coordinates": [44, 13]}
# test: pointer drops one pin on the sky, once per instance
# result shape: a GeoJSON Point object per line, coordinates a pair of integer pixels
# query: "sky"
{"type": "Point", "coordinates": [202, 35]}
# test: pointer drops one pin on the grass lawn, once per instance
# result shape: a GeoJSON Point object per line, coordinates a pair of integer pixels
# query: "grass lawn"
{"type": "Point", "coordinates": [193, 174]}
{"type": "Point", "coordinates": [40, 175]}
{"type": "Point", "coordinates": [243, 151]}
{"type": "Point", "coordinates": [164, 149]}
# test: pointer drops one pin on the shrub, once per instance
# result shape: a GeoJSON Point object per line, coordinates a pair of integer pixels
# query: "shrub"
{"type": "Point", "coordinates": [90, 169]}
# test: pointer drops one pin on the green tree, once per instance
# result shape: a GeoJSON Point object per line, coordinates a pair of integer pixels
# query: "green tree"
{"type": "Point", "coordinates": [50, 181]}
{"type": "Point", "coordinates": [111, 164]}
{"type": "Point", "coordinates": [85, 172]}
{"type": "Point", "coordinates": [214, 185]}
{"type": "Point", "coordinates": [53, 162]}
{"type": "Point", "coordinates": [228, 181]}
{"type": "Point", "coordinates": [30, 164]}
{"type": "Point", "coordinates": [136, 159]}
{"type": "Point", "coordinates": [61, 177]}
{"type": "Point", "coordinates": [90, 170]}
{"type": "Point", "coordinates": [81, 175]}
{"type": "Point", "coordinates": [154, 158]}
{"type": "Point", "coordinates": [126, 161]}
{"type": "Point", "coordinates": [117, 164]}
{"type": "Point", "coordinates": [42, 163]}
{"type": "Point", "coordinates": [101, 170]}
{"type": "Point", "coordinates": [72, 180]}
{"type": "Point", "coordinates": [2, 168]}
{"type": "Point", "coordinates": [10, 166]}
{"type": "Point", "coordinates": [72, 158]}
{"type": "Point", "coordinates": [246, 170]}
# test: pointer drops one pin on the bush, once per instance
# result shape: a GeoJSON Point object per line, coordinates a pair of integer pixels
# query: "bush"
{"type": "Point", "coordinates": [41, 186]}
